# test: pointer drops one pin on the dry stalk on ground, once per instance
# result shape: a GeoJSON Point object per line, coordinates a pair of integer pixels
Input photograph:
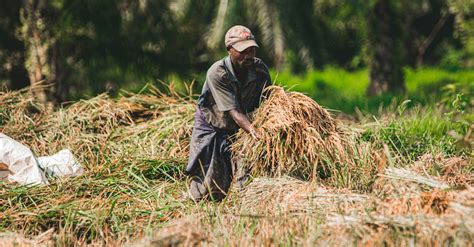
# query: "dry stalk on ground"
{"type": "Point", "coordinates": [130, 147]}
{"type": "Point", "coordinates": [454, 171]}
{"type": "Point", "coordinates": [151, 126]}
{"type": "Point", "coordinates": [285, 195]}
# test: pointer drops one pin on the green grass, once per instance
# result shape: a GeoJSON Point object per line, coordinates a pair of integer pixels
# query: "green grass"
{"type": "Point", "coordinates": [410, 134]}
{"type": "Point", "coordinates": [429, 79]}
{"type": "Point", "coordinates": [343, 90]}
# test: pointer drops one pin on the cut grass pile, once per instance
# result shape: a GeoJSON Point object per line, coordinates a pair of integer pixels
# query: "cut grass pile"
{"type": "Point", "coordinates": [134, 149]}
{"type": "Point", "coordinates": [101, 128]}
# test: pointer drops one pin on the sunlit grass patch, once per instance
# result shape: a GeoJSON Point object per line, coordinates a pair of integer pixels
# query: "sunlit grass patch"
{"type": "Point", "coordinates": [346, 90]}
{"type": "Point", "coordinates": [414, 132]}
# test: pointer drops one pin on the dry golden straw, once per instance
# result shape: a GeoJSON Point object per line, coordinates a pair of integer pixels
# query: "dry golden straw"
{"type": "Point", "coordinates": [297, 135]}
{"type": "Point", "coordinates": [300, 138]}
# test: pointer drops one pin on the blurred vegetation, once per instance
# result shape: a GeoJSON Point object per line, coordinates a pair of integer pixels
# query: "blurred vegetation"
{"type": "Point", "coordinates": [421, 131]}
{"type": "Point", "coordinates": [344, 90]}
{"type": "Point", "coordinates": [134, 146]}
{"type": "Point", "coordinates": [88, 47]}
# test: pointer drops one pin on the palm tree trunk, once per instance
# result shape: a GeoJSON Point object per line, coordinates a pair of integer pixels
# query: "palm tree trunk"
{"type": "Point", "coordinates": [385, 49]}
{"type": "Point", "coordinates": [33, 31]}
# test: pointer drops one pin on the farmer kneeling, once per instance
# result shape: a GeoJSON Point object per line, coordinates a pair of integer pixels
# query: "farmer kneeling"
{"type": "Point", "coordinates": [233, 88]}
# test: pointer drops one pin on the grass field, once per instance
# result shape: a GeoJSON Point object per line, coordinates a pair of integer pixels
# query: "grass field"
{"type": "Point", "coordinates": [416, 187]}
{"type": "Point", "coordinates": [345, 90]}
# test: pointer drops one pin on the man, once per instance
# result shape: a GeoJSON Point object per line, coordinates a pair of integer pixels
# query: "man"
{"type": "Point", "coordinates": [233, 88]}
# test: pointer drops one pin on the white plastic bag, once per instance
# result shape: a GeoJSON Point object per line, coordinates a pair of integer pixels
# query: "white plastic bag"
{"type": "Point", "coordinates": [18, 163]}
{"type": "Point", "coordinates": [61, 164]}
{"type": "Point", "coordinates": [22, 165]}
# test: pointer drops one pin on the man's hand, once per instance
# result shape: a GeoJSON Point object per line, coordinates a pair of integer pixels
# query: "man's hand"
{"type": "Point", "coordinates": [255, 134]}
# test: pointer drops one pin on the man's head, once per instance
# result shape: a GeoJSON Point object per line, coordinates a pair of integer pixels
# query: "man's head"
{"type": "Point", "coordinates": [241, 45]}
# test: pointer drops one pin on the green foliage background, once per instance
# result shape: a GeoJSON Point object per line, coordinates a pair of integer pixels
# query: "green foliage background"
{"type": "Point", "coordinates": [323, 47]}
{"type": "Point", "coordinates": [344, 90]}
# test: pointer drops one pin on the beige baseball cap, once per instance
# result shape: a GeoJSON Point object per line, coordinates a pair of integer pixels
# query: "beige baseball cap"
{"type": "Point", "coordinates": [240, 38]}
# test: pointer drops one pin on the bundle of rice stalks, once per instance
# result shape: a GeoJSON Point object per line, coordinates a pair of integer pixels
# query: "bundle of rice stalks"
{"type": "Point", "coordinates": [295, 130]}
{"type": "Point", "coordinates": [428, 203]}
{"type": "Point", "coordinates": [413, 190]}
{"type": "Point", "coordinates": [404, 230]}
{"type": "Point", "coordinates": [434, 217]}
{"type": "Point", "coordinates": [300, 138]}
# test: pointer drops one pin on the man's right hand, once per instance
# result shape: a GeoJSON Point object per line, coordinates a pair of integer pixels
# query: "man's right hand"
{"type": "Point", "coordinates": [255, 134]}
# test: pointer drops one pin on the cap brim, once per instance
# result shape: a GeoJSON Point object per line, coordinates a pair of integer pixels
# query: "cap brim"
{"type": "Point", "coordinates": [242, 45]}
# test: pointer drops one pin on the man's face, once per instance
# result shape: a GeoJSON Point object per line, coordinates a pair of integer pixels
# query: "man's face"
{"type": "Point", "coordinates": [244, 58]}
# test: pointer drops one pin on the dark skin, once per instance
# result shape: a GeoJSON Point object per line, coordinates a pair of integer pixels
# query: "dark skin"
{"type": "Point", "coordinates": [240, 62]}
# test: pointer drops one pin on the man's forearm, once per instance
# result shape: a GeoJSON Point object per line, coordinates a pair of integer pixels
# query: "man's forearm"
{"type": "Point", "coordinates": [244, 122]}
{"type": "Point", "coordinates": [241, 119]}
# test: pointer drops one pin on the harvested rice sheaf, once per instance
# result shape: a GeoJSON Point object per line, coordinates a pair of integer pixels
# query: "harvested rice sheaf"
{"type": "Point", "coordinates": [298, 138]}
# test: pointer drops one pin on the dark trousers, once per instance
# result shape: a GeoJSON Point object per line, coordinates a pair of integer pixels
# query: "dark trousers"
{"type": "Point", "coordinates": [210, 163]}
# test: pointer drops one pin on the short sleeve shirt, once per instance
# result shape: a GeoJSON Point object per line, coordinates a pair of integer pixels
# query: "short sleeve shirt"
{"type": "Point", "coordinates": [222, 92]}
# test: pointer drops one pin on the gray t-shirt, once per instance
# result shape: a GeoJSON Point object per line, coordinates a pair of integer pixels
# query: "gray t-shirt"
{"type": "Point", "coordinates": [222, 92]}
